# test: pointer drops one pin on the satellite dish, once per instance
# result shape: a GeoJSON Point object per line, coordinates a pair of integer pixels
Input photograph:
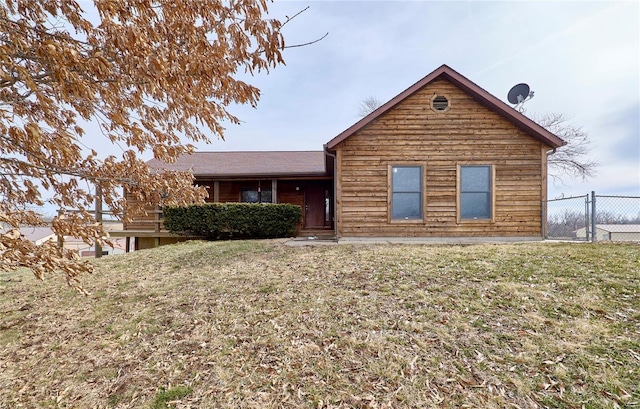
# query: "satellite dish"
{"type": "Point", "coordinates": [518, 93]}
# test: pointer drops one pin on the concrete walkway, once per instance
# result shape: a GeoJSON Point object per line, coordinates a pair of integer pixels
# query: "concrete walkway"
{"type": "Point", "coordinates": [312, 241]}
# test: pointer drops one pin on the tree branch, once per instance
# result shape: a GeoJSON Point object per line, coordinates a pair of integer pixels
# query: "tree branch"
{"type": "Point", "coordinates": [572, 158]}
{"type": "Point", "coordinates": [306, 44]}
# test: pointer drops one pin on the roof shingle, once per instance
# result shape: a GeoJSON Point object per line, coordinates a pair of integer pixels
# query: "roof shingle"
{"type": "Point", "coordinates": [234, 164]}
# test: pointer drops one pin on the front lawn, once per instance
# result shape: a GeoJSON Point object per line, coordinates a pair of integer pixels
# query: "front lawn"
{"type": "Point", "coordinates": [260, 324]}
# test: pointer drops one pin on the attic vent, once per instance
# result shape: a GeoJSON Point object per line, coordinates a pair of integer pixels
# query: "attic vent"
{"type": "Point", "coordinates": [440, 103]}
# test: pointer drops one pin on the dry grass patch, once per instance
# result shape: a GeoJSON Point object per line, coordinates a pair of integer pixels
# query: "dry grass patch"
{"type": "Point", "coordinates": [259, 324]}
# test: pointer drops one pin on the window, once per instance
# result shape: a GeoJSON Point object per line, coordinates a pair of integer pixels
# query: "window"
{"type": "Point", "coordinates": [475, 192]}
{"type": "Point", "coordinates": [255, 195]}
{"type": "Point", "coordinates": [440, 103]}
{"type": "Point", "coordinates": [406, 192]}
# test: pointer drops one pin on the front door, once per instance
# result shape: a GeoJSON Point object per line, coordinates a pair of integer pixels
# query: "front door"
{"type": "Point", "coordinates": [315, 207]}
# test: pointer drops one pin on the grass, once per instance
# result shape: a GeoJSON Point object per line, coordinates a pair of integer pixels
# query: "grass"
{"type": "Point", "coordinates": [164, 397]}
{"type": "Point", "coordinates": [259, 324]}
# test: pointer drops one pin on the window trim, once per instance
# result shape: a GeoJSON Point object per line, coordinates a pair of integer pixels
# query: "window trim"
{"type": "Point", "coordinates": [492, 191]}
{"type": "Point", "coordinates": [423, 189]}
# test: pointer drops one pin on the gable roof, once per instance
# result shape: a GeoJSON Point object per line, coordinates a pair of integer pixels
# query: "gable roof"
{"type": "Point", "coordinates": [481, 95]}
{"type": "Point", "coordinates": [238, 164]}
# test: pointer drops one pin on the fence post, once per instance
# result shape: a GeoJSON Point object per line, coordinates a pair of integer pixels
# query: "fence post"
{"type": "Point", "coordinates": [98, 217]}
{"type": "Point", "coordinates": [60, 237]}
{"type": "Point", "coordinates": [545, 228]}
{"type": "Point", "coordinates": [587, 219]}
{"type": "Point", "coordinates": [594, 236]}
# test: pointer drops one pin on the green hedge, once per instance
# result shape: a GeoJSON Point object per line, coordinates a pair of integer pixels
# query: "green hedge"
{"type": "Point", "coordinates": [233, 220]}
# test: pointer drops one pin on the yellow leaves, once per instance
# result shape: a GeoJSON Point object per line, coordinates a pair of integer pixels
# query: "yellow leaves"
{"type": "Point", "coordinates": [159, 151]}
{"type": "Point", "coordinates": [72, 53]}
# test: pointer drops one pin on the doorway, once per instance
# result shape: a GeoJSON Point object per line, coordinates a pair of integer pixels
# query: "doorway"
{"type": "Point", "coordinates": [316, 207]}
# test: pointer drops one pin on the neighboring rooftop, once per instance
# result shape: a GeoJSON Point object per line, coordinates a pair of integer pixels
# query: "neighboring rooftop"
{"type": "Point", "coordinates": [37, 234]}
{"type": "Point", "coordinates": [619, 228]}
{"type": "Point", "coordinates": [221, 164]}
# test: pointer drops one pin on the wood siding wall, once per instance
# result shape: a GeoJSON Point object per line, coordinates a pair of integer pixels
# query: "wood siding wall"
{"type": "Point", "coordinates": [151, 222]}
{"type": "Point", "coordinates": [413, 134]}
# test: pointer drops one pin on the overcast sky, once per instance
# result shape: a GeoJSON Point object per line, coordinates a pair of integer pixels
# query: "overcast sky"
{"type": "Point", "coordinates": [582, 58]}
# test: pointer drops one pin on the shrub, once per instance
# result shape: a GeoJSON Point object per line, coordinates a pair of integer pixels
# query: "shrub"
{"type": "Point", "coordinates": [216, 221]}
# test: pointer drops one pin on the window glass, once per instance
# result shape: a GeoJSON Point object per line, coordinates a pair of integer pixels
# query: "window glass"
{"type": "Point", "coordinates": [405, 206]}
{"type": "Point", "coordinates": [266, 196]}
{"type": "Point", "coordinates": [475, 205]}
{"type": "Point", "coordinates": [406, 179]}
{"type": "Point", "coordinates": [475, 178]}
{"type": "Point", "coordinates": [249, 196]}
{"type": "Point", "coordinates": [253, 196]}
{"type": "Point", "coordinates": [475, 192]}
{"type": "Point", "coordinates": [406, 192]}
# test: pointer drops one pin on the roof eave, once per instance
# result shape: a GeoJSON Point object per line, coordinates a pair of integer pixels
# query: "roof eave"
{"type": "Point", "coordinates": [383, 108]}
{"type": "Point", "coordinates": [259, 175]}
{"type": "Point", "coordinates": [515, 117]}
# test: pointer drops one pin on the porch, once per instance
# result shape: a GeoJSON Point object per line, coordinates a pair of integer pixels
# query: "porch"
{"type": "Point", "coordinates": [314, 196]}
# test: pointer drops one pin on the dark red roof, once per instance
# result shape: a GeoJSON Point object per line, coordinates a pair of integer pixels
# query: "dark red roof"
{"type": "Point", "coordinates": [481, 95]}
{"type": "Point", "coordinates": [235, 164]}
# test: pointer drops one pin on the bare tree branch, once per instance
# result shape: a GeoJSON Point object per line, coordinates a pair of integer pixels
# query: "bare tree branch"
{"type": "Point", "coordinates": [308, 43]}
{"type": "Point", "coordinates": [573, 158]}
{"type": "Point", "coordinates": [368, 105]}
{"type": "Point", "coordinates": [289, 19]}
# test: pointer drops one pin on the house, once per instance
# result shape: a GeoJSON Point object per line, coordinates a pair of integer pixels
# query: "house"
{"type": "Point", "coordinates": [444, 158]}
{"type": "Point", "coordinates": [299, 178]}
{"type": "Point", "coordinates": [612, 232]}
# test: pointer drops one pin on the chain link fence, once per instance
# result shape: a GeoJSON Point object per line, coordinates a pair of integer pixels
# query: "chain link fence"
{"type": "Point", "coordinates": [566, 216]}
{"type": "Point", "coordinates": [593, 218]}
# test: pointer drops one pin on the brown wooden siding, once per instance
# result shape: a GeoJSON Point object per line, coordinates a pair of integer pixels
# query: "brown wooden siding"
{"type": "Point", "coordinates": [412, 133]}
{"type": "Point", "coordinates": [151, 222]}
{"type": "Point", "coordinates": [230, 191]}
